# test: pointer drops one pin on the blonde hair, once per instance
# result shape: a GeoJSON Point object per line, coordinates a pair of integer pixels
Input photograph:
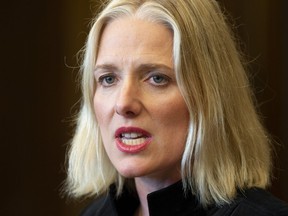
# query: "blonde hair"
{"type": "Point", "coordinates": [227, 148]}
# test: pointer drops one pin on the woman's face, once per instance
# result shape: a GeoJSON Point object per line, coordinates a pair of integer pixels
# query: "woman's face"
{"type": "Point", "coordinates": [142, 116]}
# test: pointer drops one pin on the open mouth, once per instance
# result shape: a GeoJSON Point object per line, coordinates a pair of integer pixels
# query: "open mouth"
{"type": "Point", "coordinates": [131, 139]}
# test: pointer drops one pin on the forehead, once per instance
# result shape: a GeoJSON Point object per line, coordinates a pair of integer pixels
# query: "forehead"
{"type": "Point", "coordinates": [130, 31]}
{"type": "Point", "coordinates": [130, 37]}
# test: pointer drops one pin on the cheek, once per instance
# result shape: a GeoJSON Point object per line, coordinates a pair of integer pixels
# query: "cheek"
{"type": "Point", "coordinates": [101, 109]}
{"type": "Point", "coordinates": [172, 121]}
{"type": "Point", "coordinates": [97, 107]}
{"type": "Point", "coordinates": [174, 113]}
{"type": "Point", "coordinates": [102, 116]}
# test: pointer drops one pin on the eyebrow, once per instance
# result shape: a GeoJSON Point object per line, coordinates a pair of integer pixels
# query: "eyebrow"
{"type": "Point", "coordinates": [141, 67]}
{"type": "Point", "coordinates": [147, 67]}
{"type": "Point", "coordinates": [105, 67]}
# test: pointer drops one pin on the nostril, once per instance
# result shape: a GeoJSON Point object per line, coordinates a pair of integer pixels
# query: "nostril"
{"type": "Point", "coordinates": [129, 113]}
{"type": "Point", "coordinates": [128, 107]}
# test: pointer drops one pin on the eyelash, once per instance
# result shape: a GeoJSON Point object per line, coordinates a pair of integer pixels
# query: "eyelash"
{"type": "Point", "coordinates": [102, 80]}
{"type": "Point", "coordinates": [164, 79]}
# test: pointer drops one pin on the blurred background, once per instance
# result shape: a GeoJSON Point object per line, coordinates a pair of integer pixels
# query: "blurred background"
{"type": "Point", "coordinates": [39, 93]}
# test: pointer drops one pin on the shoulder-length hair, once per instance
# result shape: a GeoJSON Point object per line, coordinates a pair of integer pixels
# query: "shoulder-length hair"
{"type": "Point", "coordinates": [227, 148]}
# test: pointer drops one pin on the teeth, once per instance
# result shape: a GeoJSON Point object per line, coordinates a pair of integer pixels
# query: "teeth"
{"type": "Point", "coordinates": [131, 135]}
{"type": "Point", "coordinates": [133, 141]}
{"type": "Point", "coordinates": [133, 138]}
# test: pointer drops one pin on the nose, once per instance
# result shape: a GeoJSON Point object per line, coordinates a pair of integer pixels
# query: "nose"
{"type": "Point", "coordinates": [128, 103]}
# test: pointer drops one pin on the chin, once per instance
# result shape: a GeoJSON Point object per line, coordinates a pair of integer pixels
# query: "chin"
{"type": "Point", "coordinates": [131, 171]}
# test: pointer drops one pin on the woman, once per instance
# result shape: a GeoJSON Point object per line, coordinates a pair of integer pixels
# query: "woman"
{"type": "Point", "coordinates": [167, 124]}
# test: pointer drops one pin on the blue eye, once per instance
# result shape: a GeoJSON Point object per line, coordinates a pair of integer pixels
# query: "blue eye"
{"type": "Point", "coordinates": [159, 80]}
{"type": "Point", "coordinates": [107, 80]}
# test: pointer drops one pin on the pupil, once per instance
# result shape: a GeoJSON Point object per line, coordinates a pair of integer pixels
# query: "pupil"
{"type": "Point", "coordinates": [157, 79]}
{"type": "Point", "coordinates": [109, 80]}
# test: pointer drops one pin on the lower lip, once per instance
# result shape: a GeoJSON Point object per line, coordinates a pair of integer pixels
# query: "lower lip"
{"type": "Point", "coordinates": [132, 149]}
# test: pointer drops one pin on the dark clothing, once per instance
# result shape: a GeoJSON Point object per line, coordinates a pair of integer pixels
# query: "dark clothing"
{"type": "Point", "coordinates": [172, 201]}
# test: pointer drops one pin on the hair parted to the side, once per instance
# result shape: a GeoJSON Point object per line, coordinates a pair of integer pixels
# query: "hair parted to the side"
{"type": "Point", "coordinates": [227, 147]}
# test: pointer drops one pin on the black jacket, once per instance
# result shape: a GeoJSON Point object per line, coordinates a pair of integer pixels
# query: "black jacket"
{"type": "Point", "coordinates": [171, 201]}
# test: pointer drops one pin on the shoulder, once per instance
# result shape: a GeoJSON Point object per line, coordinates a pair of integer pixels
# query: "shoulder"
{"type": "Point", "coordinates": [256, 201]}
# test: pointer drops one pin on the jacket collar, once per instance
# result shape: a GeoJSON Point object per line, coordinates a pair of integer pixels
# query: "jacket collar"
{"type": "Point", "coordinates": [167, 201]}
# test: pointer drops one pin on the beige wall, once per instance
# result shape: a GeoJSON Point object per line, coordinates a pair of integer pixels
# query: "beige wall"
{"type": "Point", "coordinates": [39, 41]}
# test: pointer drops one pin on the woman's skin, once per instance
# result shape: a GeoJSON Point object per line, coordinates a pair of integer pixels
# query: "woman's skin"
{"type": "Point", "coordinates": [141, 113]}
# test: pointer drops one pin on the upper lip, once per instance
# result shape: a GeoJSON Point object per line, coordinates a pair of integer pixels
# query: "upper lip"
{"type": "Point", "coordinates": [120, 131]}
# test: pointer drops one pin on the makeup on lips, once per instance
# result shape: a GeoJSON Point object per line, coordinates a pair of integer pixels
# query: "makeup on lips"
{"type": "Point", "coordinates": [132, 140]}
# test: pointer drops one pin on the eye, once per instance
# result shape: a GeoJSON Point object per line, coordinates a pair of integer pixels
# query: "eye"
{"type": "Point", "coordinates": [107, 80]}
{"type": "Point", "coordinates": [159, 79]}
